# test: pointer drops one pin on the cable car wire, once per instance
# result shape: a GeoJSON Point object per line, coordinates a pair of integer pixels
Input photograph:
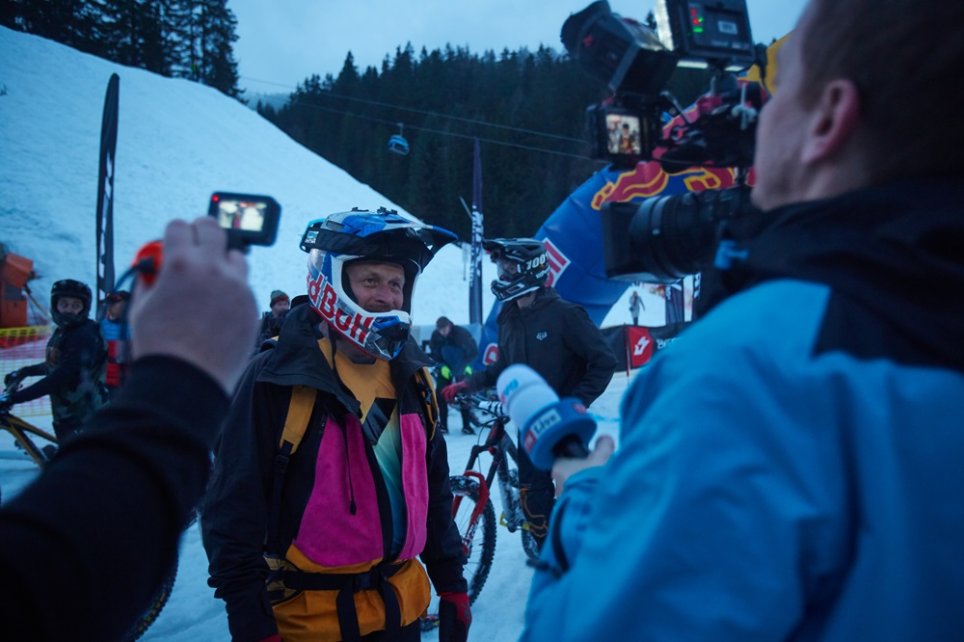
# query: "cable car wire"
{"type": "Point", "coordinates": [521, 130]}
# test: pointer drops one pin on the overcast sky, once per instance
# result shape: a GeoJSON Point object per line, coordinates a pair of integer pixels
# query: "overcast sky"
{"type": "Point", "coordinates": [284, 41]}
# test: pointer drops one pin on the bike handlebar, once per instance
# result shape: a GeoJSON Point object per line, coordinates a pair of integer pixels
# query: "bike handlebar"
{"type": "Point", "coordinates": [481, 402]}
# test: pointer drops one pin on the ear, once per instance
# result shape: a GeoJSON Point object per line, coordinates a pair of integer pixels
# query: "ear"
{"type": "Point", "coordinates": [833, 122]}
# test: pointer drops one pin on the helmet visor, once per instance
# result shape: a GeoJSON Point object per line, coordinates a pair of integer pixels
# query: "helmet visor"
{"type": "Point", "coordinates": [507, 269]}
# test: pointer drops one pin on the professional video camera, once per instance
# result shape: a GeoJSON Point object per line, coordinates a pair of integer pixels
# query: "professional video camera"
{"type": "Point", "coordinates": [672, 236]}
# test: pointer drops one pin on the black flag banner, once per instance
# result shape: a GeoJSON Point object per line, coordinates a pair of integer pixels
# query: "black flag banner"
{"type": "Point", "coordinates": [475, 283]}
{"type": "Point", "coordinates": [105, 191]}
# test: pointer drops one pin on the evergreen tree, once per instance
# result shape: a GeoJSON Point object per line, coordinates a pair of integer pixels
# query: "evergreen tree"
{"type": "Point", "coordinates": [187, 38]}
{"type": "Point", "coordinates": [446, 98]}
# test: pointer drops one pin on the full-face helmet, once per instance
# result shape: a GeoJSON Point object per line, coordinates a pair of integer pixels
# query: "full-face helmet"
{"type": "Point", "coordinates": [383, 236]}
{"type": "Point", "coordinates": [69, 288]}
{"type": "Point", "coordinates": [523, 266]}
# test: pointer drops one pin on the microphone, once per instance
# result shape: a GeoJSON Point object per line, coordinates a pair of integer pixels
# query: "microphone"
{"type": "Point", "coordinates": [550, 427]}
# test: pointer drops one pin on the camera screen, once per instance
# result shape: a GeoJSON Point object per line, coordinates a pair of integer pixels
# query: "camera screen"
{"type": "Point", "coordinates": [623, 130]}
{"type": "Point", "coordinates": [247, 216]}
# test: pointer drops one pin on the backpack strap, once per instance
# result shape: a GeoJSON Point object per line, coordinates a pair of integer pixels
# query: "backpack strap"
{"type": "Point", "coordinates": [425, 386]}
{"type": "Point", "coordinates": [296, 422]}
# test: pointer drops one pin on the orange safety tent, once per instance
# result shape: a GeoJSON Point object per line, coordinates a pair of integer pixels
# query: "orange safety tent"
{"type": "Point", "coordinates": [15, 271]}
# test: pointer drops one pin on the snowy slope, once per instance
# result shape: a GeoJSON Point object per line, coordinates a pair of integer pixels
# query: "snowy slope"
{"type": "Point", "coordinates": [179, 141]}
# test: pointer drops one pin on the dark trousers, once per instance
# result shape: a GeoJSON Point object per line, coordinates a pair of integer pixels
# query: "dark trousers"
{"type": "Point", "coordinates": [537, 496]}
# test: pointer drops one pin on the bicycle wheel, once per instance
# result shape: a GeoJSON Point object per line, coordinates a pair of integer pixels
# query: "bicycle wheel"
{"type": "Point", "coordinates": [478, 538]}
{"type": "Point", "coordinates": [150, 615]}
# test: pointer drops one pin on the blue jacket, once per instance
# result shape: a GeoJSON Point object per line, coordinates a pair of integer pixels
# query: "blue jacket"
{"type": "Point", "coordinates": [793, 467]}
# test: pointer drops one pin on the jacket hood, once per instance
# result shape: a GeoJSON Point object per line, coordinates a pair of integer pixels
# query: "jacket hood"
{"type": "Point", "coordinates": [897, 249]}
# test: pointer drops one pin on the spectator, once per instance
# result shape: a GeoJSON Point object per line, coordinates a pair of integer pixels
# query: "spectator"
{"type": "Point", "coordinates": [791, 469]}
{"type": "Point", "coordinates": [73, 372]}
{"type": "Point", "coordinates": [330, 478]}
{"type": "Point", "coordinates": [272, 320]}
{"type": "Point", "coordinates": [85, 547]}
{"type": "Point", "coordinates": [553, 337]}
{"type": "Point", "coordinates": [116, 332]}
{"type": "Point", "coordinates": [453, 349]}
{"type": "Point", "coordinates": [635, 306]}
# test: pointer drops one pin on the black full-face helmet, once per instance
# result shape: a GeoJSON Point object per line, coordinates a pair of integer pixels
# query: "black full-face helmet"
{"type": "Point", "coordinates": [69, 288]}
{"type": "Point", "coordinates": [523, 266]}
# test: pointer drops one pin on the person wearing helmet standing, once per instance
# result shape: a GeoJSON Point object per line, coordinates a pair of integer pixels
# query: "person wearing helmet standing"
{"type": "Point", "coordinates": [73, 372]}
{"type": "Point", "coordinates": [553, 337]}
{"type": "Point", "coordinates": [331, 479]}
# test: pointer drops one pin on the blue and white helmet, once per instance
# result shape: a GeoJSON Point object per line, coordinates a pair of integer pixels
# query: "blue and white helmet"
{"type": "Point", "coordinates": [382, 235]}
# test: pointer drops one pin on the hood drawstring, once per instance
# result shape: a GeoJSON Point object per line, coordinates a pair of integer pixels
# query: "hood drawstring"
{"type": "Point", "coordinates": [352, 508]}
{"type": "Point", "coordinates": [351, 489]}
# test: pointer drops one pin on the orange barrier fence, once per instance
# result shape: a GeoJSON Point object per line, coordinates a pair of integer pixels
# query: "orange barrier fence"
{"type": "Point", "coordinates": [21, 347]}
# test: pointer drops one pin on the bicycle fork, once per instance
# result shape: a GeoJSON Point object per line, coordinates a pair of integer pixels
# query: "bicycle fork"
{"type": "Point", "coordinates": [511, 506]}
{"type": "Point", "coordinates": [474, 520]}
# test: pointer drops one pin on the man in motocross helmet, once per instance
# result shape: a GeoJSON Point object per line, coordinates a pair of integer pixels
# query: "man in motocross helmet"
{"type": "Point", "coordinates": [73, 372]}
{"type": "Point", "coordinates": [340, 513]}
{"type": "Point", "coordinates": [552, 336]}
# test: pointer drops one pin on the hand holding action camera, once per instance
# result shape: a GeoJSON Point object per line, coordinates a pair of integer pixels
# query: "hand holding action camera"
{"type": "Point", "coordinates": [216, 335]}
{"type": "Point", "coordinates": [248, 219]}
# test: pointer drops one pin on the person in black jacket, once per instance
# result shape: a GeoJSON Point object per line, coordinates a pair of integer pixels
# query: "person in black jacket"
{"type": "Point", "coordinates": [453, 349]}
{"type": "Point", "coordinates": [272, 320]}
{"type": "Point", "coordinates": [553, 337]}
{"type": "Point", "coordinates": [331, 482]}
{"type": "Point", "coordinates": [85, 547]}
{"type": "Point", "coordinates": [73, 372]}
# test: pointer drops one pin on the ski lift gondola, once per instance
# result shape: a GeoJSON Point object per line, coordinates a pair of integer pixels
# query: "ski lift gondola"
{"type": "Point", "coordinates": [397, 143]}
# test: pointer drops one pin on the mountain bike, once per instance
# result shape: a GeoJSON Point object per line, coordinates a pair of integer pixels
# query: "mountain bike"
{"type": "Point", "coordinates": [22, 432]}
{"type": "Point", "coordinates": [472, 506]}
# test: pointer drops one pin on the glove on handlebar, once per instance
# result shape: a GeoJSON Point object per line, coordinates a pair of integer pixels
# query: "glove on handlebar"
{"type": "Point", "coordinates": [449, 391]}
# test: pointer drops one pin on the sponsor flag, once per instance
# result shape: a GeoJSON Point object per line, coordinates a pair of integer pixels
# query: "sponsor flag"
{"type": "Point", "coordinates": [640, 346]}
{"type": "Point", "coordinates": [674, 303]}
{"type": "Point", "coordinates": [105, 191]}
{"type": "Point", "coordinates": [475, 260]}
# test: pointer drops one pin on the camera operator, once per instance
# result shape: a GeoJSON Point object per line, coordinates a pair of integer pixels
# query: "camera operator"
{"type": "Point", "coordinates": [792, 469]}
{"type": "Point", "coordinates": [85, 547]}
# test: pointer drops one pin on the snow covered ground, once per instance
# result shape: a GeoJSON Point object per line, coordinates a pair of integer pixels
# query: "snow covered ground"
{"type": "Point", "coordinates": [178, 142]}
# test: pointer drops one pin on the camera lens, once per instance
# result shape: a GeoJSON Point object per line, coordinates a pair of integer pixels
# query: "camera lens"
{"type": "Point", "coordinates": [674, 235]}
{"type": "Point", "coordinates": [667, 237]}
